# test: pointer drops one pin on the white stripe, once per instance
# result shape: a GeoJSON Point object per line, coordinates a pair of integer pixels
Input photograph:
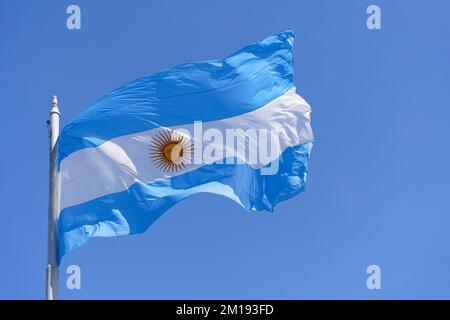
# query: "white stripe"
{"type": "Point", "coordinates": [114, 166]}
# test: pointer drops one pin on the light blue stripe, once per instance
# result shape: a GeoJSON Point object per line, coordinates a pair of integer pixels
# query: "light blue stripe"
{"type": "Point", "coordinates": [134, 210]}
{"type": "Point", "coordinates": [204, 91]}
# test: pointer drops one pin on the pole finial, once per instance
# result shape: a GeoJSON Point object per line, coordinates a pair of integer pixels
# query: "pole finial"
{"type": "Point", "coordinates": [55, 107]}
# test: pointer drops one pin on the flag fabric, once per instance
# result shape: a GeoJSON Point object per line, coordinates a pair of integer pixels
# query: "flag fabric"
{"type": "Point", "coordinates": [142, 148]}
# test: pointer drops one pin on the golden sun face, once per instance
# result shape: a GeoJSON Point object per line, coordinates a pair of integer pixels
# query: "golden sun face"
{"type": "Point", "coordinates": [170, 151]}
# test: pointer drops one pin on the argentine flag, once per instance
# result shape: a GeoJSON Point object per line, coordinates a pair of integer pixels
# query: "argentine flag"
{"type": "Point", "coordinates": [234, 127]}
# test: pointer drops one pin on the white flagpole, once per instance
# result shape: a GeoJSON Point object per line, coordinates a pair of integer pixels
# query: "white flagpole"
{"type": "Point", "coordinates": [53, 205]}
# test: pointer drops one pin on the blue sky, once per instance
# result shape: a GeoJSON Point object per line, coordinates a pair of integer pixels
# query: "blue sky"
{"type": "Point", "coordinates": [378, 185]}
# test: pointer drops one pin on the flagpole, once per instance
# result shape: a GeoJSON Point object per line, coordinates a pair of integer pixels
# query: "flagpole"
{"type": "Point", "coordinates": [53, 205]}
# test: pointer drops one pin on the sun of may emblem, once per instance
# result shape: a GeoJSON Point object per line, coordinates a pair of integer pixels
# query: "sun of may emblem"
{"type": "Point", "coordinates": [170, 151]}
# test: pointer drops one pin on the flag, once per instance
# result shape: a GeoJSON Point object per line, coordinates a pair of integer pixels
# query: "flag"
{"type": "Point", "coordinates": [234, 127]}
